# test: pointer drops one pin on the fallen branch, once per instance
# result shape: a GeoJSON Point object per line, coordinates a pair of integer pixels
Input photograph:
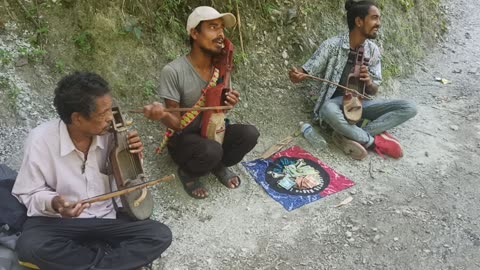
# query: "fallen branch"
{"type": "Point", "coordinates": [240, 28]}
{"type": "Point", "coordinates": [276, 147]}
{"type": "Point", "coordinates": [448, 110]}
{"type": "Point", "coordinates": [424, 132]}
{"type": "Point", "coordinates": [370, 170]}
{"type": "Point", "coordinates": [28, 14]}
{"type": "Point", "coordinates": [7, 7]}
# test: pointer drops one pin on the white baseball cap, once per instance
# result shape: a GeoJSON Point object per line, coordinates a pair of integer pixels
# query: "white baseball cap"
{"type": "Point", "coordinates": [205, 13]}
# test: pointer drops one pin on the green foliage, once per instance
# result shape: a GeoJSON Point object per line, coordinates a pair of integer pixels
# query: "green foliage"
{"type": "Point", "coordinates": [167, 22]}
{"type": "Point", "coordinates": [407, 4]}
{"type": "Point", "coordinates": [269, 8]}
{"type": "Point", "coordinates": [84, 41]}
{"type": "Point", "coordinates": [149, 88]}
{"type": "Point", "coordinates": [5, 57]}
{"type": "Point", "coordinates": [132, 26]}
{"type": "Point", "coordinates": [171, 55]}
{"type": "Point", "coordinates": [240, 58]}
{"type": "Point", "coordinates": [12, 93]}
{"type": "Point", "coordinates": [4, 84]}
{"type": "Point", "coordinates": [42, 30]}
{"type": "Point", "coordinates": [60, 67]}
{"type": "Point", "coordinates": [34, 55]}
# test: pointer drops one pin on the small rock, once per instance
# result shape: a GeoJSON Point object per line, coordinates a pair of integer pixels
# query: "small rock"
{"type": "Point", "coordinates": [458, 71]}
{"type": "Point", "coordinates": [426, 250]}
{"type": "Point", "coordinates": [426, 154]}
{"type": "Point", "coordinates": [376, 238]}
{"type": "Point", "coordinates": [468, 36]}
{"type": "Point", "coordinates": [454, 127]}
{"type": "Point", "coordinates": [351, 240]}
{"type": "Point", "coordinates": [395, 239]}
{"type": "Point", "coordinates": [22, 61]}
{"type": "Point", "coordinates": [349, 234]}
{"type": "Point", "coordinates": [285, 54]}
{"type": "Point", "coordinates": [354, 229]}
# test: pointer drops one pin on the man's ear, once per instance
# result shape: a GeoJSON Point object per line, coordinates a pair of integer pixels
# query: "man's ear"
{"type": "Point", "coordinates": [193, 33]}
{"type": "Point", "coordinates": [76, 118]}
{"type": "Point", "coordinates": [358, 22]}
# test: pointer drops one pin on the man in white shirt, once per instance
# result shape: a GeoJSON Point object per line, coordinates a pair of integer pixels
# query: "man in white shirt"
{"type": "Point", "coordinates": [65, 161]}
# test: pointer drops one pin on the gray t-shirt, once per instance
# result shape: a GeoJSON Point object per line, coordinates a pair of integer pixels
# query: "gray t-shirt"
{"type": "Point", "coordinates": [180, 82]}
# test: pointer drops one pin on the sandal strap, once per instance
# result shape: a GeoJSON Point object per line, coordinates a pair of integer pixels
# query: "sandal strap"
{"type": "Point", "coordinates": [224, 174]}
{"type": "Point", "coordinates": [187, 179]}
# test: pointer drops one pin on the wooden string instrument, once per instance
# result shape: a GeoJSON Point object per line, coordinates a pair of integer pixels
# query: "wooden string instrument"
{"type": "Point", "coordinates": [128, 171]}
{"type": "Point", "coordinates": [213, 121]}
{"type": "Point", "coordinates": [353, 100]}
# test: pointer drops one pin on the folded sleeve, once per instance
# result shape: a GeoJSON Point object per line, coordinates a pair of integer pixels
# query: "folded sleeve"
{"type": "Point", "coordinates": [30, 186]}
{"type": "Point", "coordinates": [317, 64]}
{"type": "Point", "coordinates": [169, 84]}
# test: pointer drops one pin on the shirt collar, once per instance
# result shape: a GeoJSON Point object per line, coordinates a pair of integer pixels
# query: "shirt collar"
{"type": "Point", "coordinates": [345, 41]}
{"type": "Point", "coordinates": [66, 143]}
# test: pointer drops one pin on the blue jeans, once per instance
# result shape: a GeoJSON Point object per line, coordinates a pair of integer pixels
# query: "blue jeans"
{"type": "Point", "coordinates": [383, 115]}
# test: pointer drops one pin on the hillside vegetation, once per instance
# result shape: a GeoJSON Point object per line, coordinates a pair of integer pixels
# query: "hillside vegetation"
{"type": "Point", "coordinates": [128, 41]}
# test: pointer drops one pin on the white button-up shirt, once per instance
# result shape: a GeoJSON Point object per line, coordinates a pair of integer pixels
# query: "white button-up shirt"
{"type": "Point", "coordinates": [53, 166]}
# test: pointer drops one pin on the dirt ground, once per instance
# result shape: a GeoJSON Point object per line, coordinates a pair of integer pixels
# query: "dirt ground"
{"type": "Point", "coordinates": [420, 212]}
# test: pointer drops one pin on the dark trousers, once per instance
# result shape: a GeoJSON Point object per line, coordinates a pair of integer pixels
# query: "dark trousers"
{"type": "Point", "coordinates": [81, 244]}
{"type": "Point", "coordinates": [197, 156]}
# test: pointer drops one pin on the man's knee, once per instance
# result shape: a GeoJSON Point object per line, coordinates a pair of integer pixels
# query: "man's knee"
{"type": "Point", "coordinates": [410, 108]}
{"type": "Point", "coordinates": [27, 246]}
{"type": "Point", "coordinates": [211, 151]}
{"type": "Point", "coordinates": [251, 135]}
{"type": "Point", "coordinates": [330, 112]}
{"type": "Point", "coordinates": [162, 234]}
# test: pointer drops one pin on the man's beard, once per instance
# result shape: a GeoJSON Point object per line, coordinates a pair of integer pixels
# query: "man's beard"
{"type": "Point", "coordinates": [210, 52]}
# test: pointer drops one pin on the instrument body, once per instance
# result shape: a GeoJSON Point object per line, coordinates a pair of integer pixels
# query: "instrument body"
{"type": "Point", "coordinates": [353, 101]}
{"type": "Point", "coordinates": [128, 171]}
{"type": "Point", "coordinates": [213, 121]}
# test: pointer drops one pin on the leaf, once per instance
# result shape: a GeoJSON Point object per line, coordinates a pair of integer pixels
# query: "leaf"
{"type": "Point", "coordinates": [344, 202]}
{"type": "Point", "coordinates": [138, 32]}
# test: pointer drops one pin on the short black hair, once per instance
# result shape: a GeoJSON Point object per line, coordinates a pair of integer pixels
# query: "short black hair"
{"type": "Point", "coordinates": [357, 8]}
{"type": "Point", "coordinates": [199, 29]}
{"type": "Point", "coordinates": [78, 92]}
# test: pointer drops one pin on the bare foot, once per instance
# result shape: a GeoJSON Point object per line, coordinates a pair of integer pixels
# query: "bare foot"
{"type": "Point", "coordinates": [200, 191]}
{"type": "Point", "coordinates": [233, 182]}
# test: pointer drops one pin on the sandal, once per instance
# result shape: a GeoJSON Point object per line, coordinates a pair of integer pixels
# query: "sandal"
{"type": "Point", "coordinates": [224, 175]}
{"type": "Point", "coordinates": [189, 189]}
{"type": "Point", "coordinates": [349, 147]}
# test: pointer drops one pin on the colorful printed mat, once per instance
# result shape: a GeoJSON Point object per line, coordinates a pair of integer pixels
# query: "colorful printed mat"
{"type": "Point", "coordinates": [295, 177]}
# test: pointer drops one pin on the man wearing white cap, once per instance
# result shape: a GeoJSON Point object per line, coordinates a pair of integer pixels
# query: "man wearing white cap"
{"type": "Point", "coordinates": [181, 84]}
